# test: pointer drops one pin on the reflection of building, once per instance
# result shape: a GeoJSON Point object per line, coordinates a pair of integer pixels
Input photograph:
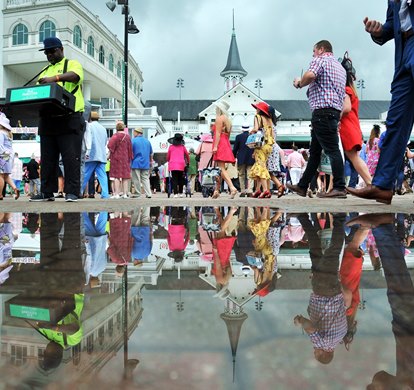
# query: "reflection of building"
{"type": "Point", "coordinates": [22, 347]}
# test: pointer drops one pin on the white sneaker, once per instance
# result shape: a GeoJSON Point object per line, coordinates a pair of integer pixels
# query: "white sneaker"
{"type": "Point", "coordinates": [175, 196]}
{"type": "Point", "coordinates": [125, 196]}
{"type": "Point", "coordinates": [181, 195]}
{"type": "Point", "coordinates": [115, 197]}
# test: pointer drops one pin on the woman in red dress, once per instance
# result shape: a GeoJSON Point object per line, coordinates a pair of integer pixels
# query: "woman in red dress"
{"type": "Point", "coordinates": [120, 148]}
{"type": "Point", "coordinates": [222, 152]}
{"type": "Point", "coordinates": [349, 128]}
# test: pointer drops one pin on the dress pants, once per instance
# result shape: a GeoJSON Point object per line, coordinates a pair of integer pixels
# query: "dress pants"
{"type": "Point", "coordinates": [400, 120]}
{"type": "Point", "coordinates": [243, 171]}
{"type": "Point", "coordinates": [324, 135]}
{"type": "Point", "coordinates": [69, 146]}
{"type": "Point", "coordinates": [140, 178]}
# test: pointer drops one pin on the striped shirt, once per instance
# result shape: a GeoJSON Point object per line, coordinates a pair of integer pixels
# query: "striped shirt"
{"type": "Point", "coordinates": [328, 315]}
{"type": "Point", "coordinates": [328, 89]}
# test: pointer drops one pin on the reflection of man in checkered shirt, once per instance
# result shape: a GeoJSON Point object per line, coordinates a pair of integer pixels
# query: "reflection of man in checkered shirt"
{"type": "Point", "coordinates": [327, 323]}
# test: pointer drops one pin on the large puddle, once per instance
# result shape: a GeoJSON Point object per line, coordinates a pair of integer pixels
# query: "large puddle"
{"type": "Point", "coordinates": [206, 298]}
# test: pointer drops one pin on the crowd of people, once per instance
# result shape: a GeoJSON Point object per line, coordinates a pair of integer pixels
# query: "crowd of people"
{"type": "Point", "coordinates": [336, 138]}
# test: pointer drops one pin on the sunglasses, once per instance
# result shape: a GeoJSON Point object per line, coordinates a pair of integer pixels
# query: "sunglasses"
{"type": "Point", "coordinates": [50, 51]}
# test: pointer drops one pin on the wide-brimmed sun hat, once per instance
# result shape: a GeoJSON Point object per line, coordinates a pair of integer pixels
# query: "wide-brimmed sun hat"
{"type": "Point", "coordinates": [5, 122]}
{"type": "Point", "coordinates": [223, 106]}
{"type": "Point", "coordinates": [178, 139]}
{"type": "Point", "coordinates": [263, 107]}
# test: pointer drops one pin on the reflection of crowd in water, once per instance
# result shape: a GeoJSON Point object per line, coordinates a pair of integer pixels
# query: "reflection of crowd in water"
{"type": "Point", "coordinates": [230, 243]}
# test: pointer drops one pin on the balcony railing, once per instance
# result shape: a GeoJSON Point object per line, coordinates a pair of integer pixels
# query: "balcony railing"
{"type": "Point", "coordinates": [20, 3]}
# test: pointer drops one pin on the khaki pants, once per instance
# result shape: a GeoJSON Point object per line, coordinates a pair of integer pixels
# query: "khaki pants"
{"type": "Point", "coordinates": [140, 178]}
{"type": "Point", "coordinates": [244, 173]}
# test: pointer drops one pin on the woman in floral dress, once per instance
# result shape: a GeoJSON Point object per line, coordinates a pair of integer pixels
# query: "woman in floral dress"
{"type": "Point", "coordinates": [264, 120]}
{"type": "Point", "coordinates": [373, 150]}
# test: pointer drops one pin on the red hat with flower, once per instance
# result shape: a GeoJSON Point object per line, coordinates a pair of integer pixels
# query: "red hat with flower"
{"type": "Point", "coordinates": [263, 107]}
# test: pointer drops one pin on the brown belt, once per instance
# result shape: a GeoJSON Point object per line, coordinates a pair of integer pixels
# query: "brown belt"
{"type": "Point", "coordinates": [407, 34]}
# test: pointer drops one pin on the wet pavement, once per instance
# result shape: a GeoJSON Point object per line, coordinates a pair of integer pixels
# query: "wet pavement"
{"type": "Point", "coordinates": [203, 297]}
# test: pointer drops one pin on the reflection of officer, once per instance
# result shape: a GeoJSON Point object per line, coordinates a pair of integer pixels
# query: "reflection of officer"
{"type": "Point", "coordinates": [61, 134]}
{"type": "Point", "coordinates": [66, 333]}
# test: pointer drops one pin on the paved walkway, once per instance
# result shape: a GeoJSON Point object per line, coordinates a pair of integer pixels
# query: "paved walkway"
{"type": "Point", "coordinates": [290, 203]}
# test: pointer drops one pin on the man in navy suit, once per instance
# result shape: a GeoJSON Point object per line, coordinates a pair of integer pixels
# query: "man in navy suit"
{"type": "Point", "coordinates": [245, 161]}
{"type": "Point", "coordinates": [400, 118]}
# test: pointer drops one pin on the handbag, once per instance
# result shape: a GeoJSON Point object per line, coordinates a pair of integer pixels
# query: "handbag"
{"type": "Point", "coordinates": [255, 140]}
{"type": "Point", "coordinates": [210, 174]}
{"type": "Point", "coordinates": [209, 220]}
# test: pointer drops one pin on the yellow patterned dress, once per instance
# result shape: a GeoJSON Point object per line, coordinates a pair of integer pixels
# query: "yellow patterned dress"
{"type": "Point", "coordinates": [262, 246]}
{"type": "Point", "coordinates": [259, 168]}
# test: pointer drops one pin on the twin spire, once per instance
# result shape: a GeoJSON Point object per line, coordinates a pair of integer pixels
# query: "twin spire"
{"type": "Point", "coordinates": [234, 72]}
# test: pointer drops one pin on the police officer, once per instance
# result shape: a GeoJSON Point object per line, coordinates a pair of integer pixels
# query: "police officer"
{"type": "Point", "coordinates": [61, 133]}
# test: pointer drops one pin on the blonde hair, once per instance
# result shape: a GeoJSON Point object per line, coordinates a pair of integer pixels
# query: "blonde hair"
{"type": "Point", "coordinates": [6, 131]}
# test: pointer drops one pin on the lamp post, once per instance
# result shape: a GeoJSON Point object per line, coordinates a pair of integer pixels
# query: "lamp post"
{"type": "Point", "coordinates": [258, 85]}
{"type": "Point", "coordinates": [361, 86]}
{"type": "Point", "coordinates": [180, 84]}
{"type": "Point", "coordinates": [129, 28]}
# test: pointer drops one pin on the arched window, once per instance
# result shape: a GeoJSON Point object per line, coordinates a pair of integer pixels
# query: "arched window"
{"type": "Point", "coordinates": [20, 35]}
{"type": "Point", "coordinates": [47, 30]}
{"type": "Point", "coordinates": [135, 86]}
{"type": "Point", "coordinates": [91, 47]}
{"type": "Point", "coordinates": [118, 69]}
{"type": "Point", "coordinates": [111, 62]}
{"type": "Point", "coordinates": [130, 81]}
{"type": "Point", "coordinates": [77, 37]}
{"type": "Point", "coordinates": [101, 55]}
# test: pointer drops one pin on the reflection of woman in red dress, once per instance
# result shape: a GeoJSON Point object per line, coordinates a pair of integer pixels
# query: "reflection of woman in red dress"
{"type": "Point", "coordinates": [223, 242]}
{"type": "Point", "coordinates": [222, 152]}
{"type": "Point", "coordinates": [350, 273]}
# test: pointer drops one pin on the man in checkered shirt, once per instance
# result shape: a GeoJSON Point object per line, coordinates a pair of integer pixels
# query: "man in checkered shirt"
{"type": "Point", "coordinates": [326, 78]}
{"type": "Point", "coordinates": [327, 324]}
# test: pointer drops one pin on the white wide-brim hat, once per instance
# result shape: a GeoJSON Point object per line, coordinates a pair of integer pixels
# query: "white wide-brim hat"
{"type": "Point", "coordinates": [5, 122]}
{"type": "Point", "coordinates": [223, 106]}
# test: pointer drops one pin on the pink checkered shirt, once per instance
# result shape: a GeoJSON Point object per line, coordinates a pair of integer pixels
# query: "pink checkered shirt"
{"type": "Point", "coordinates": [328, 314]}
{"type": "Point", "coordinates": [328, 89]}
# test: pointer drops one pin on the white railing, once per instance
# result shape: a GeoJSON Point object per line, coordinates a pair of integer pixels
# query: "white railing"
{"type": "Point", "coordinates": [20, 3]}
{"type": "Point", "coordinates": [135, 112]}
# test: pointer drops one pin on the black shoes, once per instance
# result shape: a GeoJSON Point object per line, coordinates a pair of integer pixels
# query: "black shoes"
{"type": "Point", "coordinates": [42, 197]}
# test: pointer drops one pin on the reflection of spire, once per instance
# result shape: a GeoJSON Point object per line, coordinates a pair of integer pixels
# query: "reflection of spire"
{"type": "Point", "coordinates": [234, 317]}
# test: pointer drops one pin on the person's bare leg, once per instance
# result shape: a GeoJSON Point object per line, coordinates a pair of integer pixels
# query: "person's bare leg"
{"type": "Point", "coordinates": [359, 165]}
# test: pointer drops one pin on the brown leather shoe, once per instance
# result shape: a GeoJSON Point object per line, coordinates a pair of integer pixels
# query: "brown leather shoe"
{"type": "Point", "coordinates": [371, 220]}
{"type": "Point", "coordinates": [295, 188]}
{"type": "Point", "coordinates": [332, 194]}
{"type": "Point", "coordinates": [372, 192]}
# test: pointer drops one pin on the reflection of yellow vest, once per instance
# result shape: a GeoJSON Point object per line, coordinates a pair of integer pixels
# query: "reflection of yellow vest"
{"type": "Point", "coordinates": [73, 66]}
{"type": "Point", "coordinates": [61, 338]}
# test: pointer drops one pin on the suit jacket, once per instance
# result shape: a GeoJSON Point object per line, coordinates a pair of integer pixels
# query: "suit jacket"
{"type": "Point", "coordinates": [242, 152]}
{"type": "Point", "coordinates": [391, 29]}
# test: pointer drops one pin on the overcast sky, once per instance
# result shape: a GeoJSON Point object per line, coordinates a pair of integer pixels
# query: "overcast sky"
{"type": "Point", "coordinates": [190, 39]}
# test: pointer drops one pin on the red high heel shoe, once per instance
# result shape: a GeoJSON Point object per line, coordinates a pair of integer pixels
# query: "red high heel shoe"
{"type": "Point", "coordinates": [265, 194]}
{"type": "Point", "coordinates": [257, 194]}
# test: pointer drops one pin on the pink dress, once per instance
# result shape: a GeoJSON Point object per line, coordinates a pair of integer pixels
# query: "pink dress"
{"type": "Point", "coordinates": [373, 156]}
{"type": "Point", "coordinates": [224, 152]}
